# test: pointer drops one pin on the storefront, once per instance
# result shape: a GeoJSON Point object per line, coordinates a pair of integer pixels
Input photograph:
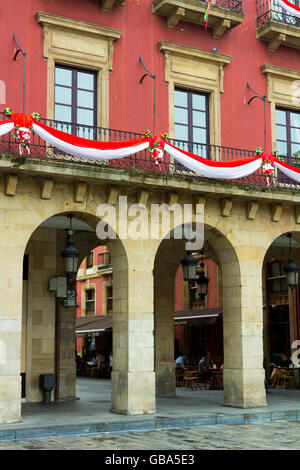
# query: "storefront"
{"type": "Point", "coordinates": [94, 334]}
{"type": "Point", "coordinates": [197, 331]}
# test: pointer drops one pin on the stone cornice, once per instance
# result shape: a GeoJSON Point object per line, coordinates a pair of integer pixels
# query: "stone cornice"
{"type": "Point", "coordinates": [280, 72]}
{"type": "Point", "coordinates": [72, 172]}
{"type": "Point", "coordinates": [77, 25]}
{"type": "Point", "coordinates": [193, 53]}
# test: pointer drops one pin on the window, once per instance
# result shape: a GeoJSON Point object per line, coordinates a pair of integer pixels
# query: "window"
{"type": "Point", "coordinates": [191, 119]}
{"type": "Point", "coordinates": [90, 302]}
{"type": "Point", "coordinates": [90, 260]}
{"type": "Point", "coordinates": [288, 132]}
{"type": "Point", "coordinates": [75, 100]}
{"type": "Point", "coordinates": [109, 300]}
{"type": "Point", "coordinates": [104, 259]}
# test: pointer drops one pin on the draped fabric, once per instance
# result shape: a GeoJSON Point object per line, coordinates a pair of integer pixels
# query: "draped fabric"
{"type": "Point", "coordinates": [96, 150]}
{"type": "Point", "coordinates": [290, 7]}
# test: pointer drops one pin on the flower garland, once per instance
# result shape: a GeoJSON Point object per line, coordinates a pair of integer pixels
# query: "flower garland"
{"type": "Point", "coordinates": [156, 146]}
{"type": "Point", "coordinates": [267, 165]}
{"type": "Point", "coordinates": [23, 128]}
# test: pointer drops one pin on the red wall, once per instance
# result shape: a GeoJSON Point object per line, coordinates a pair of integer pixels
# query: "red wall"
{"type": "Point", "coordinates": [131, 103]}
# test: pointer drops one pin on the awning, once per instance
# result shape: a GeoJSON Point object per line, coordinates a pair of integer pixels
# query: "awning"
{"type": "Point", "coordinates": [204, 316]}
{"type": "Point", "coordinates": [93, 326]}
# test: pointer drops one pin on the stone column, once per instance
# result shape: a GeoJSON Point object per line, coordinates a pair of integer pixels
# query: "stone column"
{"type": "Point", "coordinates": [166, 264]}
{"type": "Point", "coordinates": [11, 270]}
{"type": "Point", "coordinates": [133, 378]}
{"type": "Point", "coordinates": [243, 331]}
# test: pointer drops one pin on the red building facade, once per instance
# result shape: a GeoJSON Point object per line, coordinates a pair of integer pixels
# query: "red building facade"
{"type": "Point", "coordinates": [91, 79]}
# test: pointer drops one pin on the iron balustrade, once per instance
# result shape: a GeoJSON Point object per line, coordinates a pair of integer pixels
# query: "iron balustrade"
{"type": "Point", "coordinates": [141, 162]}
{"type": "Point", "coordinates": [235, 5]}
{"type": "Point", "coordinates": [271, 10]}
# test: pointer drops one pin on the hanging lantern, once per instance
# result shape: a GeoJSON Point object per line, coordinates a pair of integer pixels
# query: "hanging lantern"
{"type": "Point", "coordinates": [202, 282]}
{"type": "Point", "coordinates": [292, 273]}
{"type": "Point", "coordinates": [291, 269]}
{"type": "Point", "coordinates": [70, 254]}
{"type": "Point", "coordinates": [189, 267]}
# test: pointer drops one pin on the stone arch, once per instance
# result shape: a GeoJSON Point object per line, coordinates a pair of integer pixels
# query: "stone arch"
{"type": "Point", "coordinates": [284, 302]}
{"type": "Point", "coordinates": [43, 353]}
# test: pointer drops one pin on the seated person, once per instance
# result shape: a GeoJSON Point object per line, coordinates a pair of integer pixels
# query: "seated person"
{"type": "Point", "coordinates": [204, 371]}
{"type": "Point", "coordinates": [100, 359]}
{"type": "Point", "coordinates": [181, 360]}
{"type": "Point", "coordinates": [284, 362]}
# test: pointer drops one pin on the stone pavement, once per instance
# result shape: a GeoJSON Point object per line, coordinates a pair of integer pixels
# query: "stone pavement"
{"type": "Point", "coordinates": [264, 436]}
{"type": "Point", "coordinates": [91, 413]}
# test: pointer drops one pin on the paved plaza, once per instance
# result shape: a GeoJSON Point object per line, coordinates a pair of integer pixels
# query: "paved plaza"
{"type": "Point", "coordinates": [190, 412]}
{"type": "Point", "coordinates": [264, 436]}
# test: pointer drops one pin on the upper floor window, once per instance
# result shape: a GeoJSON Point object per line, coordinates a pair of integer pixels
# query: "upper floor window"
{"type": "Point", "coordinates": [90, 302]}
{"type": "Point", "coordinates": [90, 260]}
{"type": "Point", "coordinates": [75, 100]}
{"type": "Point", "coordinates": [191, 119]}
{"type": "Point", "coordinates": [288, 132]}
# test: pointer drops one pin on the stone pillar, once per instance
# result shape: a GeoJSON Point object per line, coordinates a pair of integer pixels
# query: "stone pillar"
{"type": "Point", "coordinates": [11, 269]}
{"type": "Point", "coordinates": [133, 378]}
{"type": "Point", "coordinates": [243, 332]}
{"type": "Point", "coordinates": [166, 264]}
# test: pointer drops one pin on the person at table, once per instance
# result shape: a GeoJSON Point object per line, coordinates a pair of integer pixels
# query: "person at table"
{"type": "Point", "coordinates": [284, 362]}
{"type": "Point", "coordinates": [204, 370]}
{"type": "Point", "coordinates": [181, 360]}
{"type": "Point", "coordinates": [100, 359]}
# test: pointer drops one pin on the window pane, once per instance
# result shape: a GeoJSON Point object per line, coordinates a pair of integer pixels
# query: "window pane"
{"type": "Point", "coordinates": [282, 148]}
{"type": "Point", "coordinates": [63, 76]}
{"type": "Point", "coordinates": [199, 102]}
{"type": "Point", "coordinates": [84, 116]}
{"type": "Point", "coordinates": [62, 113]}
{"type": "Point", "coordinates": [295, 119]}
{"type": "Point", "coordinates": [295, 150]}
{"type": "Point", "coordinates": [199, 135]}
{"type": "Point", "coordinates": [281, 132]}
{"type": "Point", "coordinates": [63, 95]}
{"type": "Point", "coordinates": [180, 98]}
{"type": "Point", "coordinates": [280, 117]}
{"type": "Point", "coordinates": [199, 118]}
{"type": "Point", "coordinates": [85, 98]}
{"type": "Point", "coordinates": [181, 132]}
{"type": "Point", "coordinates": [85, 80]}
{"type": "Point", "coordinates": [295, 134]}
{"type": "Point", "coordinates": [181, 115]}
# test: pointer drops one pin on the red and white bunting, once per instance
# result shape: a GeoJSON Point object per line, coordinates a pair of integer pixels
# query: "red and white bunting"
{"type": "Point", "coordinates": [290, 7]}
{"type": "Point", "coordinates": [288, 170]}
{"type": "Point", "coordinates": [90, 149]}
{"type": "Point", "coordinates": [213, 169]}
{"type": "Point", "coordinates": [6, 127]}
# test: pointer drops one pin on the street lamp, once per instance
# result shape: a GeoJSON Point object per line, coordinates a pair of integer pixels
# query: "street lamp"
{"type": "Point", "coordinates": [70, 254]}
{"type": "Point", "coordinates": [202, 281]}
{"type": "Point", "coordinates": [291, 269]}
{"type": "Point", "coordinates": [189, 267]}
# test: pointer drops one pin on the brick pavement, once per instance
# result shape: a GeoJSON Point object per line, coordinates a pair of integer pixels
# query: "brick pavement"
{"type": "Point", "coordinates": [282, 435]}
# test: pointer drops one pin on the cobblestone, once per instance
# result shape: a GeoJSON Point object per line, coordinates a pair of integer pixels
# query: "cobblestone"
{"type": "Point", "coordinates": [283, 435]}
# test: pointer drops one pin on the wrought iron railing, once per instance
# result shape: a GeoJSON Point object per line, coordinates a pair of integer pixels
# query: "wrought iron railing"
{"type": "Point", "coordinates": [141, 162]}
{"type": "Point", "coordinates": [236, 5]}
{"type": "Point", "coordinates": [270, 10]}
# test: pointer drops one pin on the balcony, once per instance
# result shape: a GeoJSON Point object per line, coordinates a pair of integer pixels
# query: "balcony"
{"type": "Point", "coordinates": [140, 163]}
{"type": "Point", "coordinates": [276, 26]}
{"type": "Point", "coordinates": [107, 5]}
{"type": "Point", "coordinates": [224, 14]}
